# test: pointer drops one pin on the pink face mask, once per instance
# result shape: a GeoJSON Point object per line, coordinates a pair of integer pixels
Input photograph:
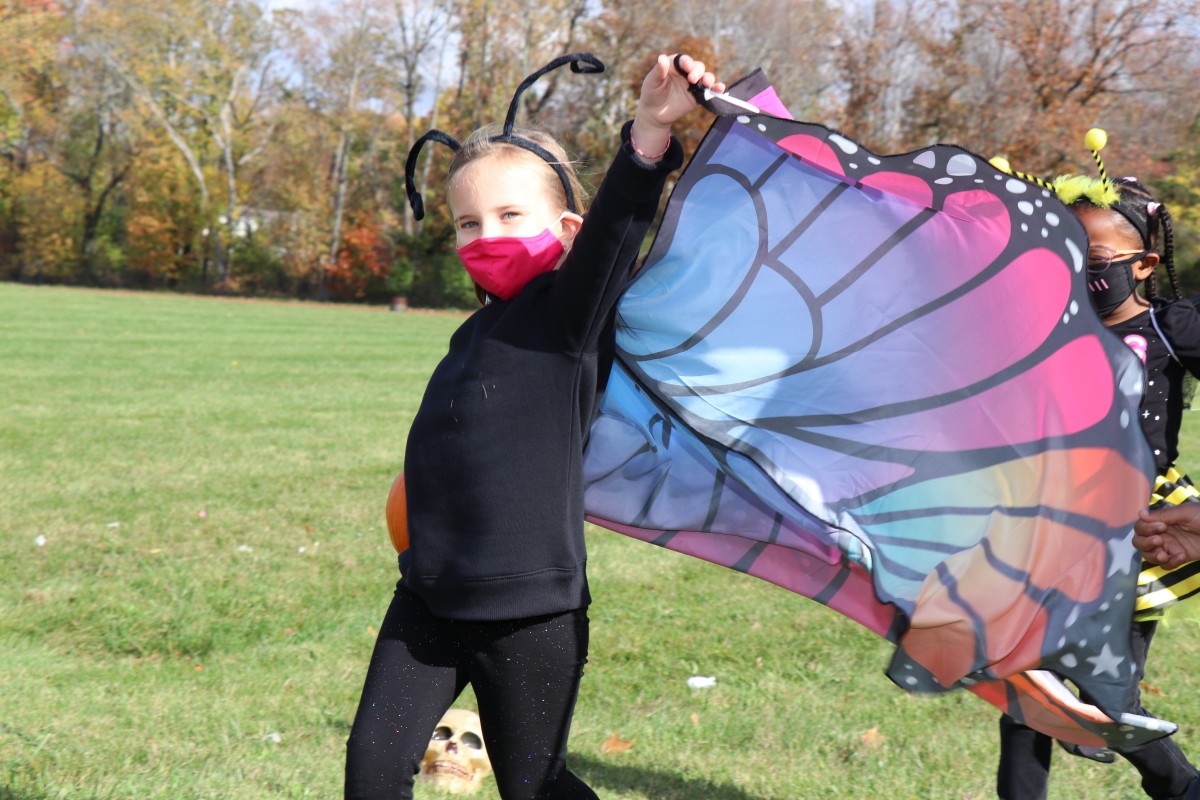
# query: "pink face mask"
{"type": "Point", "coordinates": [503, 265]}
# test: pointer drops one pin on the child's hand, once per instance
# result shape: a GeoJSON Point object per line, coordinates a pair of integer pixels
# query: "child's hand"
{"type": "Point", "coordinates": [1169, 536]}
{"type": "Point", "coordinates": [665, 98]}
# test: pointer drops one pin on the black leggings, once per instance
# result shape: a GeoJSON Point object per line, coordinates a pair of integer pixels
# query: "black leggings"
{"type": "Point", "coordinates": [525, 674]}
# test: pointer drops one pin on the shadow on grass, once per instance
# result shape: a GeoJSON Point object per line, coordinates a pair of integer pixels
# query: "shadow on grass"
{"type": "Point", "coordinates": [14, 794]}
{"type": "Point", "coordinates": [613, 776]}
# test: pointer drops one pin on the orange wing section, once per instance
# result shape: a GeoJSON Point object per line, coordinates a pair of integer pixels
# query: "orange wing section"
{"type": "Point", "coordinates": [397, 515]}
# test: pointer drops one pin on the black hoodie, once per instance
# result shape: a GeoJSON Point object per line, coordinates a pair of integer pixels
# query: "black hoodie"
{"type": "Point", "coordinates": [493, 465]}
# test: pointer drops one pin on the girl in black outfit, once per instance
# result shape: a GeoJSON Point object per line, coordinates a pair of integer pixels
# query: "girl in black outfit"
{"type": "Point", "coordinates": [1129, 235]}
{"type": "Point", "coordinates": [493, 589]}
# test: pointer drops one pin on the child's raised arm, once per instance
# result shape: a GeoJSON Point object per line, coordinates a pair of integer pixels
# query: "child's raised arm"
{"type": "Point", "coordinates": [665, 98]}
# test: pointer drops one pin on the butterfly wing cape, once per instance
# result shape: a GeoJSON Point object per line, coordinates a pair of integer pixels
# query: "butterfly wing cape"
{"type": "Point", "coordinates": [876, 381]}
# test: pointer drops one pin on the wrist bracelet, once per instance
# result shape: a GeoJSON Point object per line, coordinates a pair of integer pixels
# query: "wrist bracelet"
{"type": "Point", "coordinates": [647, 156]}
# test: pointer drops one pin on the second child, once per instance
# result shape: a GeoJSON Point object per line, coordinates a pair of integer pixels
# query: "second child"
{"type": "Point", "coordinates": [1130, 235]}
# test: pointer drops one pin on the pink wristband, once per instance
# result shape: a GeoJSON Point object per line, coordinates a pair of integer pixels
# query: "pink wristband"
{"type": "Point", "coordinates": [647, 156]}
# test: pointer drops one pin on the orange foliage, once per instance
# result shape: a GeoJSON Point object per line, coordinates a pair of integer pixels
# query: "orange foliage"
{"type": "Point", "coordinates": [163, 216]}
{"type": "Point", "coordinates": [44, 213]}
{"type": "Point", "coordinates": [363, 262]}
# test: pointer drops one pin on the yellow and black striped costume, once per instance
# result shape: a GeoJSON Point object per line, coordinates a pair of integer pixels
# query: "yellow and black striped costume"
{"type": "Point", "coordinates": [1160, 588]}
{"type": "Point", "coordinates": [1167, 337]}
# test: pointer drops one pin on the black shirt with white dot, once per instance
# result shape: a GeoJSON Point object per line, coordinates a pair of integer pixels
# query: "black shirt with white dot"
{"type": "Point", "coordinates": [1161, 412]}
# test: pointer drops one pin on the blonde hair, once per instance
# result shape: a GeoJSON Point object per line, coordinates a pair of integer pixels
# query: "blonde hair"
{"type": "Point", "coordinates": [481, 144]}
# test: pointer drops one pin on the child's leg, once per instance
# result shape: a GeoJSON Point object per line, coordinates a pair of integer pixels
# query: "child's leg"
{"type": "Point", "coordinates": [1024, 772]}
{"type": "Point", "coordinates": [1166, 772]}
{"type": "Point", "coordinates": [526, 676]}
{"type": "Point", "coordinates": [413, 678]}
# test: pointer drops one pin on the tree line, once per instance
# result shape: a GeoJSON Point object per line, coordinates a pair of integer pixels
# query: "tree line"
{"type": "Point", "coordinates": [218, 146]}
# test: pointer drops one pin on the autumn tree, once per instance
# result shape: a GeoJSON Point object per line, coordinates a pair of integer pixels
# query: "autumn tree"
{"type": "Point", "coordinates": [1027, 78]}
{"type": "Point", "coordinates": [422, 38]}
{"type": "Point", "coordinates": [87, 137]}
{"type": "Point", "coordinates": [878, 62]}
{"type": "Point", "coordinates": [1179, 189]}
{"type": "Point", "coordinates": [30, 34]}
{"type": "Point", "coordinates": [206, 144]}
{"type": "Point", "coordinates": [202, 71]}
{"type": "Point", "coordinates": [344, 62]}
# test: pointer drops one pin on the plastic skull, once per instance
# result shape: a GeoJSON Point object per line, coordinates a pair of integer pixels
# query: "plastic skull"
{"type": "Point", "coordinates": [456, 760]}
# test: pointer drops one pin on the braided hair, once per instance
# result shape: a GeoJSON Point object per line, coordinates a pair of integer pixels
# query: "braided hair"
{"type": "Point", "coordinates": [1156, 229]}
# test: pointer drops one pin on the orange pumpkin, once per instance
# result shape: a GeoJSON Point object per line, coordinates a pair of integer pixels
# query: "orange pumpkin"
{"type": "Point", "coordinates": [397, 515]}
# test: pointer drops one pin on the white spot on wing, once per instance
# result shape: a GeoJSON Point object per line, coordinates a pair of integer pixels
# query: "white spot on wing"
{"type": "Point", "coordinates": [845, 145]}
{"type": "Point", "coordinates": [1076, 255]}
{"type": "Point", "coordinates": [961, 164]}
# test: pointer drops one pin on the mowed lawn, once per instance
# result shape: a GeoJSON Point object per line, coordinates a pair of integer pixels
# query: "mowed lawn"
{"type": "Point", "coordinates": [194, 563]}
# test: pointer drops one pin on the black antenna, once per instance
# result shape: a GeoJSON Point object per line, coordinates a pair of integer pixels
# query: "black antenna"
{"type": "Point", "coordinates": [410, 169]}
{"type": "Point", "coordinates": [581, 64]}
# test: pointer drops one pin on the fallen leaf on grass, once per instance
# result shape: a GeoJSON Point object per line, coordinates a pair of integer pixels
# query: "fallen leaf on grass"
{"type": "Point", "coordinates": [872, 738]}
{"type": "Point", "coordinates": [615, 744]}
{"type": "Point", "coordinates": [1151, 689]}
{"type": "Point", "coordinates": [695, 718]}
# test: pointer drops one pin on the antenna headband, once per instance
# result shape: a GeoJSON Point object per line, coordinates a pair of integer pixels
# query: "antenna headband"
{"type": "Point", "coordinates": [581, 63]}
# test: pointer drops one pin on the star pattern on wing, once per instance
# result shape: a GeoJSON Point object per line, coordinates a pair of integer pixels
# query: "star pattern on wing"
{"type": "Point", "coordinates": [1122, 555]}
{"type": "Point", "coordinates": [1105, 662]}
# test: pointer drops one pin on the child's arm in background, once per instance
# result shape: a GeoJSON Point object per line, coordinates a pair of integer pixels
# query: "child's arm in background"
{"type": "Point", "coordinates": [1169, 536]}
{"type": "Point", "coordinates": [1180, 324]}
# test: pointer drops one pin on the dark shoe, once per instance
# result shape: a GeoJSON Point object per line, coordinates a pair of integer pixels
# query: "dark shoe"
{"type": "Point", "coordinates": [1101, 754]}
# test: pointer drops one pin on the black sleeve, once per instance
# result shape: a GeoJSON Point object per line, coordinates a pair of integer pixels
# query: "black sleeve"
{"type": "Point", "coordinates": [1180, 324]}
{"type": "Point", "coordinates": [595, 271]}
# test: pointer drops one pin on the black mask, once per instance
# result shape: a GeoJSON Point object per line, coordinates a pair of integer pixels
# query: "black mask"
{"type": "Point", "coordinates": [1109, 287]}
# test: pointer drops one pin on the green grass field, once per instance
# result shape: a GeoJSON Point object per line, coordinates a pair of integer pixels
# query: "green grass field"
{"type": "Point", "coordinates": [194, 564]}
